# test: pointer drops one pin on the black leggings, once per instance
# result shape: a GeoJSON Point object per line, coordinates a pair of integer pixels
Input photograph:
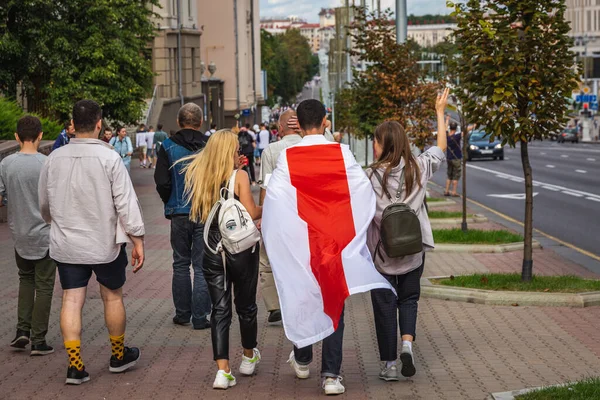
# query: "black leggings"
{"type": "Point", "coordinates": [242, 274]}
{"type": "Point", "coordinates": [387, 308]}
{"type": "Point", "coordinates": [250, 166]}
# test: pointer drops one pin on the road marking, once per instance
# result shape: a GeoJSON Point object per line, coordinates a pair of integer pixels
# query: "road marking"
{"type": "Point", "coordinates": [571, 193]}
{"type": "Point", "coordinates": [564, 156]}
{"type": "Point", "coordinates": [514, 221]}
{"type": "Point", "coordinates": [516, 196]}
{"type": "Point", "coordinates": [552, 188]}
{"type": "Point", "coordinates": [591, 159]}
{"type": "Point", "coordinates": [593, 199]}
{"type": "Point", "coordinates": [550, 166]}
{"type": "Point", "coordinates": [581, 171]}
{"type": "Point", "coordinates": [565, 190]}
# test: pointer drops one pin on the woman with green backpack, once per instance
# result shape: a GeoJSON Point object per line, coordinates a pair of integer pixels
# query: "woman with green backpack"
{"type": "Point", "coordinates": [400, 234]}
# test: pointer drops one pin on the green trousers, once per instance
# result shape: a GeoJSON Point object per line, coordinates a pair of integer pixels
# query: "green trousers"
{"type": "Point", "coordinates": [36, 285]}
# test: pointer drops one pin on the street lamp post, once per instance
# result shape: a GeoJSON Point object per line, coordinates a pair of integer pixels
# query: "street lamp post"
{"type": "Point", "coordinates": [401, 22]}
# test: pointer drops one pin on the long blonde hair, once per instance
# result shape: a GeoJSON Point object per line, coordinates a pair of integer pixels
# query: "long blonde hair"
{"type": "Point", "coordinates": [207, 171]}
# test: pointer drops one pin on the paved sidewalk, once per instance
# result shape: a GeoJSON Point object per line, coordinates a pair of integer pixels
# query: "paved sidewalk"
{"type": "Point", "coordinates": [463, 351]}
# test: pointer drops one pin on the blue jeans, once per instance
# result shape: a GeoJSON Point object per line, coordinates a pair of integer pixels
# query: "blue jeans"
{"type": "Point", "coordinates": [188, 249]}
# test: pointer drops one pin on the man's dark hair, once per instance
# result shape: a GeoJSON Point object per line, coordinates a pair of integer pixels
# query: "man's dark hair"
{"type": "Point", "coordinates": [213, 126]}
{"type": "Point", "coordinates": [29, 128]}
{"type": "Point", "coordinates": [159, 127]}
{"type": "Point", "coordinates": [86, 114]}
{"type": "Point", "coordinates": [310, 114]}
{"type": "Point", "coordinates": [67, 125]}
{"type": "Point", "coordinates": [190, 115]}
{"type": "Point", "coordinates": [151, 128]}
{"type": "Point", "coordinates": [247, 126]}
{"type": "Point", "coordinates": [453, 126]}
{"type": "Point", "coordinates": [107, 129]}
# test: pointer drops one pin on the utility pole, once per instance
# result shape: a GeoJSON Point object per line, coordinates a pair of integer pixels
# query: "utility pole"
{"type": "Point", "coordinates": [179, 58]}
{"type": "Point", "coordinates": [401, 22]}
{"type": "Point", "coordinates": [348, 46]}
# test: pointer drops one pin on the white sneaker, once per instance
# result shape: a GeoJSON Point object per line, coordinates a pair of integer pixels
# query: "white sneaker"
{"type": "Point", "coordinates": [248, 365]}
{"type": "Point", "coordinates": [333, 386]}
{"type": "Point", "coordinates": [224, 380]}
{"type": "Point", "coordinates": [302, 371]}
{"type": "Point", "coordinates": [408, 364]}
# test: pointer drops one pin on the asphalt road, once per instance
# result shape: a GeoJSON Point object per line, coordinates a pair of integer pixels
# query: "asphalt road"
{"type": "Point", "coordinates": [566, 182]}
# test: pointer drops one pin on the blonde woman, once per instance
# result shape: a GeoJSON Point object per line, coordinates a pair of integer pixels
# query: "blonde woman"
{"type": "Point", "coordinates": [206, 174]}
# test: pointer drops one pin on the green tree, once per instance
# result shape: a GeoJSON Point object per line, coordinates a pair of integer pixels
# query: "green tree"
{"type": "Point", "coordinates": [66, 50]}
{"type": "Point", "coordinates": [392, 87]}
{"type": "Point", "coordinates": [289, 64]}
{"type": "Point", "coordinates": [515, 74]}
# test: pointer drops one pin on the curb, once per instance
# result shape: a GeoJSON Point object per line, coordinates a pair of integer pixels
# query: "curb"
{"type": "Point", "coordinates": [454, 221]}
{"type": "Point", "coordinates": [500, 298]}
{"type": "Point", "coordinates": [439, 204]}
{"type": "Point", "coordinates": [483, 248]}
{"type": "Point", "coordinates": [512, 394]}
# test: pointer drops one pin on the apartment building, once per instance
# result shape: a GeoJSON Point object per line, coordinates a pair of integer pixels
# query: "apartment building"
{"type": "Point", "coordinates": [431, 34]}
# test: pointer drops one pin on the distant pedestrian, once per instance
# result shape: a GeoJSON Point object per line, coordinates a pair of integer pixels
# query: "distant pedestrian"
{"type": "Point", "coordinates": [159, 137]}
{"type": "Point", "coordinates": [206, 175]}
{"type": "Point", "coordinates": [65, 135]}
{"type": "Point", "coordinates": [122, 145]}
{"type": "Point", "coordinates": [213, 129]}
{"type": "Point", "coordinates": [107, 135]}
{"type": "Point", "coordinates": [19, 176]}
{"type": "Point", "coordinates": [290, 137]}
{"type": "Point", "coordinates": [191, 301]}
{"type": "Point", "coordinates": [151, 155]}
{"type": "Point", "coordinates": [398, 176]}
{"type": "Point", "coordinates": [141, 146]}
{"type": "Point", "coordinates": [454, 157]}
{"type": "Point", "coordinates": [263, 138]}
{"type": "Point", "coordinates": [87, 196]}
{"type": "Point", "coordinates": [247, 146]}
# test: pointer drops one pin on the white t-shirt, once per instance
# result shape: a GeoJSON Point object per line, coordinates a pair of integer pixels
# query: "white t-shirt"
{"type": "Point", "coordinates": [140, 139]}
{"type": "Point", "coordinates": [150, 140]}
{"type": "Point", "coordinates": [264, 139]}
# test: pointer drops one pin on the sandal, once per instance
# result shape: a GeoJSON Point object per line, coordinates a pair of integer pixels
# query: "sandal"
{"type": "Point", "coordinates": [447, 194]}
{"type": "Point", "coordinates": [455, 195]}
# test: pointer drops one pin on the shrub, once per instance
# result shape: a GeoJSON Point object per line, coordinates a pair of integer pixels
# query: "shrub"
{"type": "Point", "coordinates": [10, 112]}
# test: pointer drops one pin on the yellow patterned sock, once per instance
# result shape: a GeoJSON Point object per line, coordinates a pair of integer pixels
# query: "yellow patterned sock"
{"type": "Point", "coordinates": [74, 352]}
{"type": "Point", "coordinates": [117, 343]}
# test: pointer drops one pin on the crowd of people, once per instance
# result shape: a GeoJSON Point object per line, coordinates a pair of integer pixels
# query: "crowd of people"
{"type": "Point", "coordinates": [315, 251]}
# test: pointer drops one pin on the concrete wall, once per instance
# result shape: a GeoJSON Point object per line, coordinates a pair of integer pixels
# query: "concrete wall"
{"type": "Point", "coordinates": [170, 108]}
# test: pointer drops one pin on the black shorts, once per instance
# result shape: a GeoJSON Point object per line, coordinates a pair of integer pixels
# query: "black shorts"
{"type": "Point", "coordinates": [111, 275]}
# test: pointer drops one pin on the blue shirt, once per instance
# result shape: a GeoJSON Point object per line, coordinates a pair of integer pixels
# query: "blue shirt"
{"type": "Point", "coordinates": [123, 147]}
{"type": "Point", "coordinates": [454, 151]}
{"type": "Point", "coordinates": [61, 140]}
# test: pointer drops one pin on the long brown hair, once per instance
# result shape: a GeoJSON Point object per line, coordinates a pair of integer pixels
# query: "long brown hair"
{"type": "Point", "coordinates": [394, 147]}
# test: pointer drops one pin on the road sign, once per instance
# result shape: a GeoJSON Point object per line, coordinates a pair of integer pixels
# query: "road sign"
{"type": "Point", "coordinates": [586, 98]}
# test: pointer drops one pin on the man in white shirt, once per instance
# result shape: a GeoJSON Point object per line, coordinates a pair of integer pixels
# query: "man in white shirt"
{"type": "Point", "coordinates": [87, 197]}
{"type": "Point", "coordinates": [262, 141]}
{"type": "Point", "coordinates": [289, 132]}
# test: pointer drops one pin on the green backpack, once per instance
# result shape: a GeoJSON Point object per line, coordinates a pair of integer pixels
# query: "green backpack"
{"type": "Point", "coordinates": [400, 229]}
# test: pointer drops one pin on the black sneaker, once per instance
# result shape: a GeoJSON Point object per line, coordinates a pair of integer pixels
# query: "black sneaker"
{"type": "Point", "coordinates": [180, 321]}
{"type": "Point", "coordinates": [41, 349]}
{"type": "Point", "coordinates": [21, 340]}
{"type": "Point", "coordinates": [204, 324]}
{"type": "Point", "coordinates": [274, 316]}
{"type": "Point", "coordinates": [76, 377]}
{"type": "Point", "coordinates": [130, 358]}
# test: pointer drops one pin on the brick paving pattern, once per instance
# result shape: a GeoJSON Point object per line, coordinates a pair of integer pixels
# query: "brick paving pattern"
{"type": "Point", "coordinates": [463, 351]}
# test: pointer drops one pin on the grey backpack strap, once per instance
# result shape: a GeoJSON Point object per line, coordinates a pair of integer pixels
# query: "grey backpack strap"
{"type": "Point", "coordinates": [400, 185]}
{"type": "Point", "coordinates": [380, 179]}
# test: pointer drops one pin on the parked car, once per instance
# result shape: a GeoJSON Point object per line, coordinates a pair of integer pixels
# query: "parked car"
{"type": "Point", "coordinates": [479, 146]}
{"type": "Point", "coordinates": [568, 135]}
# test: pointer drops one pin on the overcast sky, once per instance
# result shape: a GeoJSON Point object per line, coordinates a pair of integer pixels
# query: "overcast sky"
{"type": "Point", "coordinates": [309, 9]}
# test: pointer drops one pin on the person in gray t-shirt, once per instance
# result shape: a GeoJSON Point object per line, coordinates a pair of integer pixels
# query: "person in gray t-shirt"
{"type": "Point", "coordinates": [19, 176]}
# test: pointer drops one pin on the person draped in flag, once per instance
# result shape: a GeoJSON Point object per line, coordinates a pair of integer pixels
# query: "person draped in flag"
{"type": "Point", "coordinates": [318, 207]}
{"type": "Point", "coordinates": [395, 163]}
{"type": "Point", "coordinates": [206, 174]}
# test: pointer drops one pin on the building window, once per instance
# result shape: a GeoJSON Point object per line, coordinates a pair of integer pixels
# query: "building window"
{"type": "Point", "coordinates": [190, 9]}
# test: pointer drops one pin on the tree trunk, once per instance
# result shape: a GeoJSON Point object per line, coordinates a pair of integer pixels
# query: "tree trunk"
{"type": "Point", "coordinates": [465, 144]}
{"type": "Point", "coordinates": [527, 271]}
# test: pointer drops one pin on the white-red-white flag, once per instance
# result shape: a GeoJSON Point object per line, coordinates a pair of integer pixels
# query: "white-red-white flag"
{"type": "Point", "coordinates": [318, 208]}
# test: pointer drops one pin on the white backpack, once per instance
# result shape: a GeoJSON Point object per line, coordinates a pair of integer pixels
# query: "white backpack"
{"type": "Point", "coordinates": [238, 232]}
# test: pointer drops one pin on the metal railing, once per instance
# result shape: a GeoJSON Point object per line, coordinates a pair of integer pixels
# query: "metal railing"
{"type": "Point", "coordinates": [151, 106]}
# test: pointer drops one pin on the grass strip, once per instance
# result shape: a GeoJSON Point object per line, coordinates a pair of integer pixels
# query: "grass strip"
{"type": "Point", "coordinates": [475, 236]}
{"type": "Point", "coordinates": [513, 283]}
{"type": "Point", "coordinates": [588, 388]}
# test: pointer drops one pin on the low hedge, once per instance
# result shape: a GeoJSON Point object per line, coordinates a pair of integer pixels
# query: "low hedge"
{"type": "Point", "coordinates": [10, 112]}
